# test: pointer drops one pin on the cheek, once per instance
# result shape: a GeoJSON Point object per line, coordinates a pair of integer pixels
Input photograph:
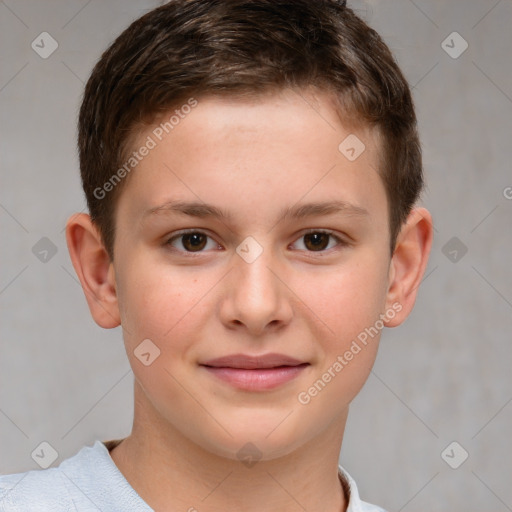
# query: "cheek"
{"type": "Point", "coordinates": [164, 307]}
{"type": "Point", "coordinates": [350, 300]}
{"type": "Point", "coordinates": [158, 303]}
{"type": "Point", "coordinates": [349, 305]}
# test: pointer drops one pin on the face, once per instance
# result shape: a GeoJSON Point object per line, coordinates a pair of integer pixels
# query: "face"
{"type": "Point", "coordinates": [257, 296]}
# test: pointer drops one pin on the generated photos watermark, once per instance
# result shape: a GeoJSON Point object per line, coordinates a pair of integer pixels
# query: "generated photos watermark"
{"type": "Point", "coordinates": [150, 143]}
{"type": "Point", "coordinates": [357, 345]}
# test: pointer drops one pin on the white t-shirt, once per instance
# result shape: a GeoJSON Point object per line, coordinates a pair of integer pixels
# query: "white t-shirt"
{"type": "Point", "coordinates": [90, 481]}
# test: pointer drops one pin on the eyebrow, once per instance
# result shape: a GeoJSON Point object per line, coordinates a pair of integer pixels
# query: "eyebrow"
{"type": "Point", "coordinates": [300, 211]}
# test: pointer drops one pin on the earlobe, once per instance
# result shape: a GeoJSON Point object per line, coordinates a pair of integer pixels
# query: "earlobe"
{"type": "Point", "coordinates": [408, 263]}
{"type": "Point", "coordinates": [94, 269]}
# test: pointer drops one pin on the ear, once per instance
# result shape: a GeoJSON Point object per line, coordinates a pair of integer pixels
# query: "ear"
{"type": "Point", "coordinates": [408, 264]}
{"type": "Point", "coordinates": [94, 269]}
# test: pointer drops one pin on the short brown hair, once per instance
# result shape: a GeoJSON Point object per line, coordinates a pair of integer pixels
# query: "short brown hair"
{"type": "Point", "coordinates": [190, 48]}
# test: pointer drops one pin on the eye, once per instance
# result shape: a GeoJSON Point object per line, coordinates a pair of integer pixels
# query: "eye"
{"type": "Point", "coordinates": [192, 241]}
{"type": "Point", "coordinates": [318, 240]}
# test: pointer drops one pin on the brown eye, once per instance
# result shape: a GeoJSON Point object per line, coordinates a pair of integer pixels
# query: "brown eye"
{"type": "Point", "coordinates": [190, 241]}
{"type": "Point", "coordinates": [194, 241]}
{"type": "Point", "coordinates": [316, 241]}
{"type": "Point", "coordinates": [319, 241]}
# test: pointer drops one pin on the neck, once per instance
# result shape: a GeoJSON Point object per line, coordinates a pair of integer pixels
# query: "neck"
{"type": "Point", "coordinates": [169, 472]}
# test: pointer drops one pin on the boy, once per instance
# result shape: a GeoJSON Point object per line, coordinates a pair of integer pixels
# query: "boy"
{"type": "Point", "coordinates": [251, 169]}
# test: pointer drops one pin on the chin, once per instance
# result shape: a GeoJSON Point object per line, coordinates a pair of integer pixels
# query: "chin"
{"type": "Point", "coordinates": [255, 440]}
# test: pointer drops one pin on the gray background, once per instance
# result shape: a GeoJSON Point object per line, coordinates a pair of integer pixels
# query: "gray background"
{"type": "Point", "coordinates": [443, 376]}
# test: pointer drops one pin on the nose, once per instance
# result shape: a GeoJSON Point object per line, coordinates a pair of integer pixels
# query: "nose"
{"type": "Point", "coordinates": [255, 296]}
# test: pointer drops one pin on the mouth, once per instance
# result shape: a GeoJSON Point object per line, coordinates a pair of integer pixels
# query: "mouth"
{"type": "Point", "coordinates": [255, 373]}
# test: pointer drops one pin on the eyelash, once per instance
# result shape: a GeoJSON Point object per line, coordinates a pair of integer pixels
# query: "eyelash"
{"type": "Point", "coordinates": [340, 241]}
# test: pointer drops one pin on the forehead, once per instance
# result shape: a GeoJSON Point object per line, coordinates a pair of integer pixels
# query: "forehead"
{"type": "Point", "coordinates": [269, 152]}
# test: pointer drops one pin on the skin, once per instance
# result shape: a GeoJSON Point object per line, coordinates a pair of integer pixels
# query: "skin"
{"type": "Point", "coordinates": [252, 159]}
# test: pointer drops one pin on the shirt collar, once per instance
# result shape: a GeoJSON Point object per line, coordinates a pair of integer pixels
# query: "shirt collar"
{"type": "Point", "coordinates": [347, 482]}
{"type": "Point", "coordinates": [351, 491]}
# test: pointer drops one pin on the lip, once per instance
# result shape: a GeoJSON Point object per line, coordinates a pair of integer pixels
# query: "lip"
{"type": "Point", "coordinates": [255, 373]}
